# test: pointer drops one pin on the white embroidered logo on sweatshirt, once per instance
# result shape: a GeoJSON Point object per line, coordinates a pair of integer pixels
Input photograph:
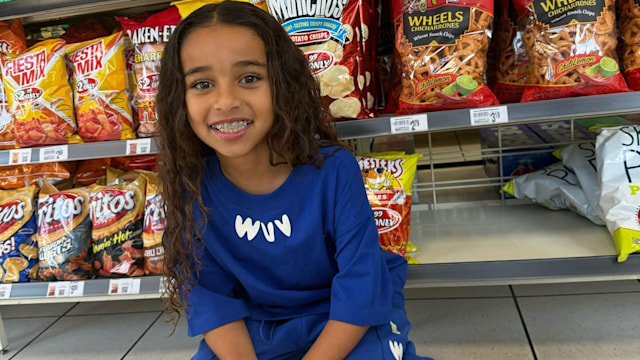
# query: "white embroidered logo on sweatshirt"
{"type": "Point", "coordinates": [396, 349]}
{"type": "Point", "coordinates": [251, 228]}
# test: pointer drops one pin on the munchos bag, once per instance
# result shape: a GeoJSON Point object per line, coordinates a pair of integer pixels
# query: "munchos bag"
{"type": "Point", "coordinates": [64, 234]}
{"type": "Point", "coordinates": [629, 11]}
{"type": "Point", "coordinates": [18, 244]}
{"type": "Point", "coordinates": [442, 47]}
{"type": "Point", "coordinates": [571, 48]}
{"type": "Point", "coordinates": [100, 89]}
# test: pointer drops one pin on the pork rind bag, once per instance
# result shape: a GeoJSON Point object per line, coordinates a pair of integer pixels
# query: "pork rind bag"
{"type": "Point", "coordinates": [618, 163]}
{"type": "Point", "coordinates": [442, 47]}
{"type": "Point", "coordinates": [154, 224]}
{"type": "Point", "coordinates": [512, 61]}
{"type": "Point", "coordinates": [629, 11]}
{"type": "Point", "coordinates": [571, 48]}
{"type": "Point", "coordinates": [39, 95]}
{"type": "Point", "coordinates": [333, 36]}
{"type": "Point", "coordinates": [388, 180]}
{"type": "Point", "coordinates": [64, 234]}
{"type": "Point", "coordinates": [12, 43]}
{"type": "Point", "coordinates": [149, 38]}
{"type": "Point", "coordinates": [100, 89]}
{"type": "Point", "coordinates": [18, 244]}
{"type": "Point", "coordinates": [117, 213]}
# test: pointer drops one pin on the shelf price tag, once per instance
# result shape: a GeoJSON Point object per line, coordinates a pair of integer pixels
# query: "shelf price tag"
{"type": "Point", "coordinates": [5, 291]}
{"type": "Point", "coordinates": [489, 115]}
{"type": "Point", "coordinates": [65, 288]}
{"type": "Point", "coordinates": [54, 153]}
{"type": "Point", "coordinates": [163, 285]}
{"type": "Point", "coordinates": [124, 286]}
{"type": "Point", "coordinates": [138, 146]}
{"type": "Point", "coordinates": [19, 156]}
{"type": "Point", "coordinates": [409, 123]}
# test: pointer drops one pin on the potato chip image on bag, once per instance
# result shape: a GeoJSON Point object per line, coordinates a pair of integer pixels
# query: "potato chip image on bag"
{"type": "Point", "coordinates": [18, 244]}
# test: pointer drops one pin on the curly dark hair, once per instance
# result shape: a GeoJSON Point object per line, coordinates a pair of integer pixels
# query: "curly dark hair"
{"type": "Point", "coordinates": [300, 129]}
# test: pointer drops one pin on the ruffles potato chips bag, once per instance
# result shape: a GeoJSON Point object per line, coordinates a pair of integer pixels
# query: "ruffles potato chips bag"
{"type": "Point", "coordinates": [100, 89]}
{"type": "Point", "coordinates": [18, 244]}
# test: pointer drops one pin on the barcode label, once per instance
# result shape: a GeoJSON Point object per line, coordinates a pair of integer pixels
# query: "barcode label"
{"type": "Point", "coordinates": [5, 291]}
{"type": "Point", "coordinates": [58, 289]}
{"type": "Point", "coordinates": [138, 146]}
{"type": "Point", "coordinates": [19, 156]}
{"type": "Point", "coordinates": [489, 116]}
{"type": "Point", "coordinates": [124, 286]}
{"type": "Point", "coordinates": [409, 123]}
{"type": "Point", "coordinates": [54, 153]}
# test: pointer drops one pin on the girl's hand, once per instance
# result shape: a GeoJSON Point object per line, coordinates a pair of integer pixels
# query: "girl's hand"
{"type": "Point", "coordinates": [231, 341]}
{"type": "Point", "coordinates": [336, 341]}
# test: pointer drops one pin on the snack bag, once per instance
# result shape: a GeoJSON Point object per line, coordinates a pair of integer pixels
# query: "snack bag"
{"type": "Point", "coordinates": [12, 43]}
{"type": "Point", "coordinates": [554, 187]}
{"type": "Point", "coordinates": [442, 47]}
{"type": "Point", "coordinates": [186, 7]}
{"type": "Point", "coordinates": [18, 244]}
{"type": "Point", "coordinates": [90, 171]}
{"type": "Point", "coordinates": [64, 234]}
{"type": "Point", "coordinates": [571, 48]}
{"type": "Point", "coordinates": [149, 38]}
{"type": "Point", "coordinates": [334, 36]}
{"type": "Point", "coordinates": [100, 89]}
{"type": "Point", "coordinates": [132, 87]}
{"type": "Point", "coordinates": [512, 63]}
{"type": "Point", "coordinates": [39, 95]}
{"type": "Point", "coordinates": [618, 162]}
{"type": "Point", "coordinates": [154, 223]}
{"type": "Point", "coordinates": [17, 176]}
{"type": "Point", "coordinates": [117, 213]}
{"type": "Point", "coordinates": [629, 11]}
{"type": "Point", "coordinates": [388, 180]}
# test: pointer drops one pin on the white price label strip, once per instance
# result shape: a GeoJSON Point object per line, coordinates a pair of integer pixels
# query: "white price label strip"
{"type": "Point", "coordinates": [138, 146]}
{"type": "Point", "coordinates": [19, 156]}
{"type": "Point", "coordinates": [163, 285]}
{"type": "Point", "coordinates": [409, 123]}
{"type": "Point", "coordinates": [124, 286]}
{"type": "Point", "coordinates": [54, 153]}
{"type": "Point", "coordinates": [65, 288]}
{"type": "Point", "coordinates": [5, 291]}
{"type": "Point", "coordinates": [489, 115]}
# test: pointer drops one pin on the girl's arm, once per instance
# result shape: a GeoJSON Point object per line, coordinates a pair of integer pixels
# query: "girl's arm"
{"type": "Point", "coordinates": [336, 341]}
{"type": "Point", "coordinates": [231, 341]}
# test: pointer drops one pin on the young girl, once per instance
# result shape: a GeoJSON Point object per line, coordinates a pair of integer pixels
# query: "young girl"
{"type": "Point", "coordinates": [271, 246]}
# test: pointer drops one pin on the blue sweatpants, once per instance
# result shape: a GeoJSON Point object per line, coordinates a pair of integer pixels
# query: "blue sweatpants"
{"type": "Point", "coordinates": [291, 339]}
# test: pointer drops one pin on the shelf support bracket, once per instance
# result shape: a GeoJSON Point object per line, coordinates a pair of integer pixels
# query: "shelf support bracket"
{"type": "Point", "coordinates": [3, 338]}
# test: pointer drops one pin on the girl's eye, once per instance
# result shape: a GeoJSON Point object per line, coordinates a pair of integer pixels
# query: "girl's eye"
{"type": "Point", "coordinates": [250, 79]}
{"type": "Point", "coordinates": [201, 85]}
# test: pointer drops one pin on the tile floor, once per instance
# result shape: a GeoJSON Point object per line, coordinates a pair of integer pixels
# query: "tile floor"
{"type": "Point", "coordinates": [596, 320]}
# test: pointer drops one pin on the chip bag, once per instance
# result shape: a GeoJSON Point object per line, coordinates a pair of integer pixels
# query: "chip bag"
{"type": "Point", "coordinates": [442, 47]}
{"type": "Point", "coordinates": [17, 176]}
{"type": "Point", "coordinates": [64, 234]}
{"type": "Point", "coordinates": [571, 48]}
{"type": "Point", "coordinates": [154, 223]}
{"type": "Point", "coordinates": [12, 43]}
{"type": "Point", "coordinates": [100, 89]}
{"type": "Point", "coordinates": [388, 180]}
{"type": "Point", "coordinates": [629, 11]}
{"type": "Point", "coordinates": [18, 244]}
{"type": "Point", "coordinates": [186, 7]}
{"type": "Point", "coordinates": [39, 95]}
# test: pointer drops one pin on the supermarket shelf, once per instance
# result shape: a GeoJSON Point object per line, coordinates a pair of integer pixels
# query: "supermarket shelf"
{"type": "Point", "coordinates": [32, 11]}
{"type": "Point", "coordinates": [559, 109]}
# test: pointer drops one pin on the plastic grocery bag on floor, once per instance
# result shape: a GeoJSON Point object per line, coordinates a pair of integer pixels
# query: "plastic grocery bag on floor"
{"type": "Point", "coordinates": [555, 187]}
{"type": "Point", "coordinates": [618, 165]}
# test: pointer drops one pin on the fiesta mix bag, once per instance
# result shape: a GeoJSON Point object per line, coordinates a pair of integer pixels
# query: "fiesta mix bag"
{"type": "Point", "coordinates": [334, 35]}
{"type": "Point", "coordinates": [64, 234]}
{"type": "Point", "coordinates": [571, 47]}
{"type": "Point", "coordinates": [629, 11]}
{"type": "Point", "coordinates": [18, 244]}
{"type": "Point", "coordinates": [442, 49]}
{"type": "Point", "coordinates": [149, 38]}
{"type": "Point", "coordinates": [12, 43]}
{"type": "Point", "coordinates": [388, 178]}
{"type": "Point", "coordinates": [100, 89]}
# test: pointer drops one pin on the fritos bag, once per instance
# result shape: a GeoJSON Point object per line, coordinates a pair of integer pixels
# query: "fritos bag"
{"type": "Point", "coordinates": [154, 223]}
{"type": "Point", "coordinates": [12, 43]}
{"type": "Point", "coordinates": [100, 89]}
{"type": "Point", "coordinates": [629, 11]}
{"type": "Point", "coordinates": [571, 48]}
{"type": "Point", "coordinates": [442, 47]}
{"type": "Point", "coordinates": [64, 234]}
{"type": "Point", "coordinates": [117, 213]}
{"type": "Point", "coordinates": [18, 244]}
{"type": "Point", "coordinates": [39, 95]}
{"type": "Point", "coordinates": [149, 38]}
{"type": "Point", "coordinates": [388, 180]}
{"type": "Point", "coordinates": [333, 36]}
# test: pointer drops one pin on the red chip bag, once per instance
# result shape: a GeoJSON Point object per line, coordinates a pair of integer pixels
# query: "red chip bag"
{"type": "Point", "coordinates": [154, 223]}
{"type": "Point", "coordinates": [630, 35]}
{"type": "Point", "coordinates": [12, 43]}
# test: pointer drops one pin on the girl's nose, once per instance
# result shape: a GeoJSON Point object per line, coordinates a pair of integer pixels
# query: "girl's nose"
{"type": "Point", "coordinates": [226, 98]}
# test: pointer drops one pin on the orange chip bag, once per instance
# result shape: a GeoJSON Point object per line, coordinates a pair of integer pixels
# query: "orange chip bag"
{"type": "Point", "coordinates": [630, 35]}
{"type": "Point", "coordinates": [100, 89]}
{"type": "Point", "coordinates": [17, 176]}
{"type": "Point", "coordinates": [571, 48]}
{"type": "Point", "coordinates": [442, 47]}
{"type": "Point", "coordinates": [12, 43]}
{"type": "Point", "coordinates": [39, 95]}
{"type": "Point", "coordinates": [90, 171]}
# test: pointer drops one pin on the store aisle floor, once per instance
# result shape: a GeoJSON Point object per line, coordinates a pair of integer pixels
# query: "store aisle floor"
{"type": "Point", "coordinates": [567, 321]}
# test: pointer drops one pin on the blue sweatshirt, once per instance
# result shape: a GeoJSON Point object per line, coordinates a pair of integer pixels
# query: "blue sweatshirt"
{"type": "Point", "coordinates": [309, 247]}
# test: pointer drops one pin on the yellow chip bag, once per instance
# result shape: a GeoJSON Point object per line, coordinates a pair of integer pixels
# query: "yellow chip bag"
{"type": "Point", "coordinates": [186, 7]}
{"type": "Point", "coordinates": [39, 95]}
{"type": "Point", "coordinates": [100, 89]}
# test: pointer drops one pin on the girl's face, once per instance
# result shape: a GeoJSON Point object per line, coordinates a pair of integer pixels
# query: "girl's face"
{"type": "Point", "coordinates": [228, 96]}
